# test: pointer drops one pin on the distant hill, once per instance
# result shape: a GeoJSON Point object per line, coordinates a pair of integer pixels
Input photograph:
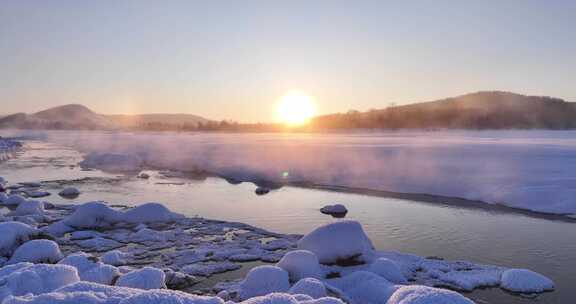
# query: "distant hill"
{"type": "Point", "coordinates": [71, 116]}
{"type": "Point", "coordinates": [481, 110]}
{"type": "Point", "coordinates": [79, 117]}
{"type": "Point", "coordinates": [143, 120]}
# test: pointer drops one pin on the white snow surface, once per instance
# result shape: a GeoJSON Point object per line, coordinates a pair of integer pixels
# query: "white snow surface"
{"type": "Point", "coordinates": [37, 251]}
{"type": "Point", "coordinates": [29, 207]}
{"type": "Point", "coordinates": [25, 278]}
{"type": "Point", "coordinates": [426, 295]}
{"type": "Point", "coordinates": [525, 281]}
{"type": "Point", "coordinates": [12, 234]}
{"type": "Point", "coordinates": [145, 278]}
{"type": "Point", "coordinates": [262, 280]}
{"type": "Point", "coordinates": [387, 269]}
{"type": "Point", "coordinates": [309, 286]}
{"type": "Point", "coordinates": [532, 170]}
{"type": "Point", "coordinates": [339, 241]}
{"type": "Point", "coordinates": [301, 264]}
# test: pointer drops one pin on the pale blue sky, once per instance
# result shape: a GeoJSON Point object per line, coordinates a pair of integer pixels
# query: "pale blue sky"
{"type": "Point", "coordinates": [234, 59]}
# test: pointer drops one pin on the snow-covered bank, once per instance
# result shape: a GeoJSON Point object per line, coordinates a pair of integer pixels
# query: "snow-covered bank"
{"type": "Point", "coordinates": [115, 254]}
{"type": "Point", "coordinates": [532, 170]}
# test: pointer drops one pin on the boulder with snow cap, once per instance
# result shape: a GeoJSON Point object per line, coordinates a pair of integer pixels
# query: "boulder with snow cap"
{"type": "Point", "coordinates": [387, 269]}
{"type": "Point", "coordinates": [90, 269]}
{"type": "Point", "coordinates": [14, 200]}
{"type": "Point", "coordinates": [12, 234]}
{"type": "Point", "coordinates": [301, 264]}
{"type": "Point", "coordinates": [309, 286]}
{"type": "Point", "coordinates": [362, 287]}
{"type": "Point", "coordinates": [145, 278]}
{"type": "Point", "coordinates": [93, 215]}
{"type": "Point", "coordinates": [149, 213]}
{"type": "Point", "coordinates": [114, 258]}
{"type": "Point", "coordinates": [37, 251]}
{"type": "Point", "coordinates": [263, 280]}
{"type": "Point", "coordinates": [415, 294]}
{"type": "Point", "coordinates": [525, 281]}
{"type": "Point", "coordinates": [339, 242]}
{"type": "Point", "coordinates": [29, 207]}
{"type": "Point", "coordinates": [37, 279]}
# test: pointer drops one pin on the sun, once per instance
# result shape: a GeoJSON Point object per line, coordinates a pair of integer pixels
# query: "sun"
{"type": "Point", "coordinates": [295, 108]}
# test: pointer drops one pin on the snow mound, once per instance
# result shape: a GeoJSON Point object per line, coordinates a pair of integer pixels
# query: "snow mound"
{"type": "Point", "coordinates": [93, 215]}
{"type": "Point", "coordinates": [114, 258]}
{"type": "Point", "coordinates": [363, 287]}
{"type": "Point", "coordinates": [149, 213]}
{"type": "Point", "coordinates": [37, 251]}
{"type": "Point", "coordinates": [301, 264]}
{"type": "Point", "coordinates": [69, 192]}
{"type": "Point", "coordinates": [165, 296]}
{"type": "Point", "coordinates": [388, 270]}
{"type": "Point", "coordinates": [525, 281]}
{"type": "Point", "coordinates": [37, 279]}
{"type": "Point", "coordinates": [309, 286]}
{"type": "Point", "coordinates": [14, 200]}
{"type": "Point", "coordinates": [338, 242]}
{"type": "Point", "coordinates": [145, 278]}
{"type": "Point", "coordinates": [29, 207]}
{"type": "Point", "coordinates": [89, 269]}
{"type": "Point", "coordinates": [415, 294]}
{"type": "Point", "coordinates": [338, 210]}
{"type": "Point", "coordinates": [263, 280]}
{"type": "Point", "coordinates": [99, 215]}
{"type": "Point", "coordinates": [113, 162]}
{"type": "Point", "coordinates": [12, 234]}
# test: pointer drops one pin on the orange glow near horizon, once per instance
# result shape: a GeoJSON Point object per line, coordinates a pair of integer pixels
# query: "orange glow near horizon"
{"type": "Point", "coordinates": [295, 108]}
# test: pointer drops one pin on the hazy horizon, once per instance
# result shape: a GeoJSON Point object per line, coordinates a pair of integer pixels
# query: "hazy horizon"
{"type": "Point", "coordinates": [234, 60]}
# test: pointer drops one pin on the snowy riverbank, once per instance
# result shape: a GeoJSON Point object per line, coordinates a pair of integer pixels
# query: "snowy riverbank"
{"type": "Point", "coordinates": [532, 170]}
{"type": "Point", "coordinates": [113, 254]}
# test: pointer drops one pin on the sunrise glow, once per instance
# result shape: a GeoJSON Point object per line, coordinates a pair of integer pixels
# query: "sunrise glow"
{"type": "Point", "coordinates": [295, 108]}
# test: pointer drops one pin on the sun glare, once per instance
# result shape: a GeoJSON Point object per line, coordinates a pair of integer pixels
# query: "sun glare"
{"type": "Point", "coordinates": [295, 108]}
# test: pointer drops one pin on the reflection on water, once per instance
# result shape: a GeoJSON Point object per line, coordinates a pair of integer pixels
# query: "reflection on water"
{"type": "Point", "coordinates": [484, 236]}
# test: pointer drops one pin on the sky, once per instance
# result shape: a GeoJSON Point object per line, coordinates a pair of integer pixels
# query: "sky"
{"type": "Point", "coordinates": [235, 59]}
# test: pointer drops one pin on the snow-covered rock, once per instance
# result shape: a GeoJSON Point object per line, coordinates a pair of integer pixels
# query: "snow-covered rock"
{"type": "Point", "coordinates": [525, 281]}
{"type": "Point", "coordinates": [149, 213]}
{"type": "Point", "coordinates": [69, 192]}
{"type": "Point", "coordinates": [362, 287]}
{"type": "Point", "coordinates": [416, 294]}
{"type": "Point", "coordinates": [283, 298]}
{"type": "Point", "coordinates": [263, 280]}
{"type": "Point", "coordinates": [145, 278]}
{"type": "Point", "coordinates": [388, 270]}
{"type": "Point", "coordinates": [90, 269]}
{"type": "Point", "coordinates": [341, 241]}
{"type": "Point", "coordinates": [309, 286]}
{"type": "Point", "coordinates": [93, 215]}
{"type": "Point", "coordinates": [12, 234]}
{"type": "Point", "coordinates": [14, 200]}
{"type": "Point", "coordinates": [301, 264]}
{"type": "Point", "coordinates": [36, 279]}
{"type": "Point", "coordinates": [336, 210]}
{"type": "Point", "coordinates": [37, 251]}
{"type": "Point", "coordinates": [114, 258]}
{"type": "Point", "coordinates": [29, 207]}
